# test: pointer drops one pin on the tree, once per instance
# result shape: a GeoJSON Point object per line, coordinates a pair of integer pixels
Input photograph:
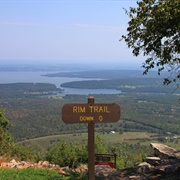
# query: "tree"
{"type": "Point", "coordinates": [154, 30]}
{"type": "Point", "coordinates": [4, 123]}
{"type": "Point", "coordinates": [6, 140]}
{"type": "Point", "coordinates": [7, 145]}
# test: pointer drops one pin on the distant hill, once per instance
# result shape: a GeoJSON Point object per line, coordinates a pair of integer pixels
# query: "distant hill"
{"type": "Point", "coordinates": [20, 90]}
{"type": "Point", "coordinates": [126, 85]}
{"type": "Point", "coordinates": [105, 74]}
{"type": "Point", "coordinates": [124, 80]}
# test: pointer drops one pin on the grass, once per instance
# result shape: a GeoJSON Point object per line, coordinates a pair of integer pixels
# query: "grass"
{"type": "Point", "coordinates": [128, 136]}
{"type": "Point", "coordinates": [37, 174]}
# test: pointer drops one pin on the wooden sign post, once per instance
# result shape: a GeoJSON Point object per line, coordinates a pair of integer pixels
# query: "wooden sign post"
{"type": "Point", "coordinates": [90, 113]}
{"type": "Point", "coordinates": [91, 153]}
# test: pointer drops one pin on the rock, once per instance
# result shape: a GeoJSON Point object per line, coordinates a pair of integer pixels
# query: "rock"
{"type": "Point", "coordinates": [165, 152]}
{"type": "Point", "coordinates": [134, 177]}
{"type": "Point", "coordinates": [65, 168]}
{"type": "Point", "coordinates": [169, 168]}
{"type": "Point", "coordinates": [56, 167]}
{"type": "Point", "coordinates": [144, 167]}
{"type": "Point", "coordinates": [4, 164]}
{"type": "Point", "coordinates": [45, 164]}
{"type": "Point", "coordinates": [40, 163]}
{"type": "Point", "coordinates": [106, 172]}
{"type": "Point", "coordinates": [13, 161]}
{"type": "Point", "coordinates": [155, 177]}
{"type": "Point", "coordinates": [153, 160]}
{"type": "Point", "coordinates": [62, 172]}
{"type": "Point", "coordinates": [170, 158]}
{"type": "Point", "coordinates": [20, 166]}
{"type": "Point", "coordinates": [82, 169]}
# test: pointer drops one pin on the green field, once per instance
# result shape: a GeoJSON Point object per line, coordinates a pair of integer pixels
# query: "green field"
{"type": "Point", "coordinates": [143, 138]}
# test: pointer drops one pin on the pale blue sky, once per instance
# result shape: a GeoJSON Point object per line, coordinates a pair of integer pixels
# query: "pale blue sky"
{"type": "Point", "coordinates": [64, 31]}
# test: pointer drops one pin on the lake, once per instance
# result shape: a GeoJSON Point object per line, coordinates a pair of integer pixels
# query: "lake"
{"type": "Point", "coordinates": [36, 77]}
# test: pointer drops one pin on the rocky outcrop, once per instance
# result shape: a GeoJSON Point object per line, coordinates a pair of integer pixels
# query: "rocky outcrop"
{"type": "Point", "coordinates": [165, 152]}
{"type": "Point", "coordinates": [167, 162]}
{"type": "Point", "coordinates": [153, 160]}
{"type": "Point", "coordinates": [23, 164]}
{"type": "Point", "coordinates": [166, 165]}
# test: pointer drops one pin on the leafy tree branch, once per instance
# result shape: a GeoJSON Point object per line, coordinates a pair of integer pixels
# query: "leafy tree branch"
{"type": "Point", "coordinates": [154, 31]}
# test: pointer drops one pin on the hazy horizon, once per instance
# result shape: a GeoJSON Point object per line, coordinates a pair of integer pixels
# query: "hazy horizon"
{"type": "Point", "coordinates": [81, 65]}
{"type": "Point", "coordinates": [71, 32]}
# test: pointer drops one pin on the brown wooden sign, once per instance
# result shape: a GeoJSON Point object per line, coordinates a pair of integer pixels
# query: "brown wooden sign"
{"type": "Point", "coordinates": [85, 113]}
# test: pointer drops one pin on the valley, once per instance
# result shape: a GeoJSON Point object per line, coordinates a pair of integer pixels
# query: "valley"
{"type": "Point", "coordinates": [150, 112]}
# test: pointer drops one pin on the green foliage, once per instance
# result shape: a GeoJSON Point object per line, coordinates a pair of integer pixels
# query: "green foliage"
{"type": "Point", "coordinates": [67, 154]}
{"type": "Point", "coordinates": [7, 146]}
{"type": "Point", "coordinates": [6, 140]}
{"type": "Point", "coordinates": [24, 153]}
{"type": "Point", "coordinates": [73, 154]}
{"type": "Point", "coordinates": [129, 154]}
{"type": "Point", "coordinates": [100, 145]}
{"type": "Point", "coordinates": [4, 122]}
{"type": "Point", "coordinates": [154, 29]}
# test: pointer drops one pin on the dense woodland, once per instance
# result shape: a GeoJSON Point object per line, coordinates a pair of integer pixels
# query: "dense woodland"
{"type": "Point", "coordinates": [23, 90]}
{"type": "Point", "coordinates": [41, 116]}
{"type": "Point", "coordinates": [132, 85]}
{"type": "Point", "coordinates": [123, 80]}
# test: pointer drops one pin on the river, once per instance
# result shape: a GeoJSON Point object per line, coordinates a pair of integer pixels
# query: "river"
{"type": "Point", "coordinates": [36, 77]}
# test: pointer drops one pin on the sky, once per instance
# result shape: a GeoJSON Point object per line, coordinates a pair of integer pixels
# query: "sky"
{"type": "Point", "coordinates": [65, 31]}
